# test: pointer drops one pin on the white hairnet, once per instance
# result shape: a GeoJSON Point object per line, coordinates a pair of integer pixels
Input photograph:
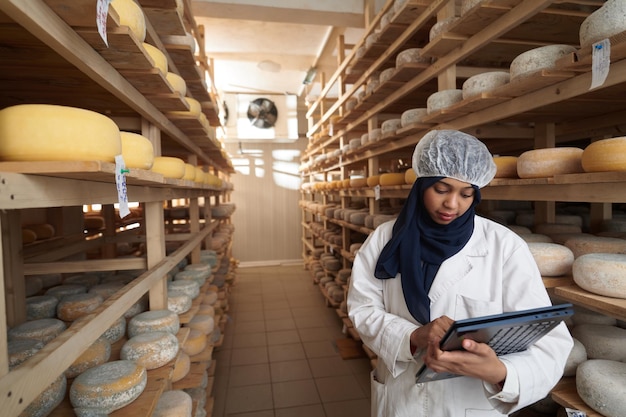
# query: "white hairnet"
{"type": "Point", "coordinates": [453, 154]}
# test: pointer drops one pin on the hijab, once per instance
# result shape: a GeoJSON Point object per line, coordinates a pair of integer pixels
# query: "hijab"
{"type": "Point", "coordinates": [418, 246]}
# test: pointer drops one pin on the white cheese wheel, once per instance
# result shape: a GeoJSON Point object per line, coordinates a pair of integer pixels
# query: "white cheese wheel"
{"type": "Point", "coordinates": [412, 55]}
{"type": "Point", "coordinates": [443, 99]}
{"type": "Point", "coordinates": [601, 273]}
{"type": "Point", "coordinates": [467, 5]}
{"type": "Point", "coordinates": [174, 403]}
{"type": "Point", "coordinates": [21, 349]}
{"type": "Point", "coordinates": [390, 126]}
{"type": "Point", "coordinates": [196, 276]}
{"type": "Point", "coordinates": [189, 287]}
{"type": "Point", "coordinates": [157, 56]}
{"type": "Point", "coordinates": [552, 259]}
{"type": "Point", "coordinates": [371, 39]}
{"type": "Point", "coordinates": [601, 384]}
{"type": "Point", "coordinates": [203, 269]}
{"type": "Point", "coordinates": [602, 341]}
{"type": "Point", "coordinates": [481, 83]}
{"type": "Point", "coordinates": [41, 307]}
{"type": "Point", "coordinates": [605, 155]}
{"type": "Point", "coordinates": [548, 162]}
{"type": "Point", "coordinates": [441, 27]}
{"type": "Point", "coordinates": [43, 330]}
{"type": "Point", "coordinates": [117, 330]}
{"type": "Point", "coordinates": [351, 103]}
{"type": "Point", "coordinates": [154, 321]}
{"type": "Point", "coordinates": [150, 350]}
{"type": "Point", "coordinates": [169, 166]}
{"type": "Point", "coordinates": [107, 387]}
{"type": "Point", "coordinates": [44, 132]}
{"type": "Point", "coordinates": [391, 178]}
{"type": "Point", "coordinates": [386, 75]}
{"type": "Point", "coordinates": [535, 60]}
{"type": "Point", "coordinates": [413, 116]}
{"type": "Point", "coordinates": [506, 166]}
{"type": "Point", "coordinates": [607, 21]}
{"type": "Point", "coordinates": [48, 400]}
{"type": "Point", "coordinates": [177, 82]}
{"type": "Point", "coordinates": [182, 366]}
{"type": "Point", "coordinates": [137, 150]}
{"type": "Point", "coordinates": [358, 218]}
{"type": "Point", "coordinates": [73, 306]}
{"type": "Point", "coordinates": [195, 343]}
{"type": "Point", "coordinates": [131, 15]}
{"type": "Point", "coordinates": [585, 244]}
{"type": "Point", "coordinates": [577, 355]}
{"type": "Point", "coordinates": [178, 302]}
{"type": "Point", "coordinates": [207, 307]}
{"type": "Point", "coordinates": [375, 135]}
{"type": "Point", "coordinates": [98, 353]}
{"type": "Point", "coordinates": [140, 306]}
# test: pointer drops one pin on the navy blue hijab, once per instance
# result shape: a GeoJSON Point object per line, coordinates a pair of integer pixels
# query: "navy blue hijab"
{"type": "Point", "coordinates": [418, 246]}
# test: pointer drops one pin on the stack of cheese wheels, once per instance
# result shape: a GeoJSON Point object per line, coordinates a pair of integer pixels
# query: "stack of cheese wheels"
{"type": "Point", "coordinates": [44, 132]}
{"type": "Point", "coordinates": [108, 387]}
{"type": "Point", "coordinates": [607, 21]}
{"type": "Point", "coordinates": [154, 321]}
{"type": "Point", "coordinates": [43, 330]}
{"type": "Point", "coordinates": [157, 56]}
{"type": "Point", "coordinates": [601, 273]}
{"type": "Point", "coordinates": [173, 403]}
{"type": "Point", "coordinates": [600, 384]}
{"type": "Point", "coordinates": [552, 259]}
{"type": "Point", "coordinates": [131, 15]}
{"type": "Point", "coordinates": [605, 155]}
{"type": "Point", "coordinates": [98, 353]}
{"type": "Point", "coordinates": [137, 150]}
{"type": "Point", "coordinates": [150, 350]}
{"type": "Point", "coordinates": [391, 178]}
{"type": "Point", "coordinates": [538, 59]}
{"type": "Point", "coordinates": [443, 99]}
{"type": "Point", "coordinates": [548, 162]}
{"type": "Point", "coordinates": [481, 83]}
{"type": "Point", "coordinates": [169, 166]}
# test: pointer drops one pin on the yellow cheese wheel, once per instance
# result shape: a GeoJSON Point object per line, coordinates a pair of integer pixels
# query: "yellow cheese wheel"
{"type": "Point", "coordinates": [203, 322]}
{"type": "Point", "coordinates": [195, 343]}
{"type": "Point", "coordinates": [506, 166]}
{"type": "Point", "coordinates": [169, 166]}
{"type": "Point", "coordinates": [173, 403]}
{"type": "Point", "coordinates": [150, 350]}
{"type": "Point", "coordinates": [137, 150]}
{"type": "Point", "coordinates": [182, 366]}
{"type": "Point", "coordinates": [605, 155]}
{"type": "Point", "coordinates": [552, 259]}
{"type": "Point", "coordinates": [28, 236]}
{"type": "Point", "coordinates": [107, 387]}
{"type": "Point", "coordinates": [199, 175]}
{"type": "Point", "coordinates": [92, 222]}
{"type": "Point", "coordinates": [410, 176]}
{"type": "Point", "coordinates": [158, 57]}
{"type": "Point", "coordinates": [190, 172]}
{"type": "Point", "coordinates": [73, 306]}
{"type": "Point", "coordinates": [392, 178]}
{"type": "Point", "coordinates": [195, 109]}
{"type": "Point", "coordinates": [98, 353]}
{"type": "Point", "coordinates": [358, 182]}
{"type": "Point", "coordinates": [42, 230]}
{"type": "Point", "coordinates": [548, 162]}
{"type": "Point", "coordinates": [44, 132]}
{"type": "Point", "coordinates": [154, 321]}
{"type": "Point", "coordinates": [177, 82]}
{"type": "Point", "coordinates": [132, 16]}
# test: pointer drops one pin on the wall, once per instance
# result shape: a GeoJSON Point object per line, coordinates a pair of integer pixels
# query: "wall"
{"type": "Point", "coordinates": [267, 219]}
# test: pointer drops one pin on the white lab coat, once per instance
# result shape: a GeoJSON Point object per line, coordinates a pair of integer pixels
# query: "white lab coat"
{"type": "Point", "coordinates": [494, 273]}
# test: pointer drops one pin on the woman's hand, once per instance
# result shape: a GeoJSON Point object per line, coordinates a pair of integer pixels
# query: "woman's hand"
{"type": "Point", "coordinates": [431, 332]}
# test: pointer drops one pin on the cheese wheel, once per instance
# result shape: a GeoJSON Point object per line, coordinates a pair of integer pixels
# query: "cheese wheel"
{"type": "Point", "coordinates": [32, 285]}
{"type": "Point", "coordinates": [174, 403]}
{"type": "Point", "coordinates": [157, 56]}
{"type": "Point", "coordinates": [43, 330]}
{"type": "Point", "coordinates": [358, 182]}
{"type": "Point", "coordinates": [177, 82]}
{"type": "Point", "coordinates": [602, 341]}
{"type": "Point", "coordinates": [48, 400]}
{"type": "Point", "coordinates": [373, 180]}
{"type": "Point", "coordinates": [73, 306]}
{"type": "Point", "coordinates": [375, 135]}
{"type": "Point", "coordinates": [131, 15]}
{"type": "Point", "coordinates": [520, 230]}
{"type": "Point", "coordinates": [107, 387]}
{"type": "Point", "coordinates": [137, 150]}
{"type": "Point", "coordinates": [203, 269]}
{"type": "Point", "coordinates": [553, 229]}
{"type": "Point", "coordinates": [182, 366]}
{"type": "Point", "coordinates": [28, 236]}
{"type": "Point", "coordinates": [178, 302]}
{"type": "Point", "coordinates": [506, 166]}
{"type": "Point", "coordinates": [391, 178]}
{"type": "Point", "coordinates": [140, 306]}
{"type": "Point", "coordinates": [585, 244]}
{"type": "Point", "coordinates": [42, 230]}
{"type": "Point", "coordinates": [21, 349]}
{"type": "Point", "coordinates": [41, 307]}
{"type": "Point", "coordinates": [547, 162]}
{"type": "Point", "coordinates": [117, 330]}
{"type": "Point", "coordinates": [44, 132]}
{"type": "Point", "coordinates": [605, 155]}
{"type": "Point", "coordinates": [150, 350]}
{"type": "Point", "coordinates": [413, 116]}
{"type": "Point", "coordinates": [189, 287]}
{"type": "Point", "coordinates": [195, 343]}
{"type": "Point", "coordinates": [88, 280]}
{"type": "Point", "coordinates": [538, 59]}
{"type": "Point", "coordinates": [390, 126]}
{"type": "Point", "coordinates": [577, 355]}
{"type": "Point", "coordinates": [169, 166]}
{"type": "Point", "coordinates": [601, 273]}
{"type": "Point", "coordinates": [196, 276]}
{"type": "Point", "coordinates": [441, 27]}
{"type": "Point", "coordinates": [481, 83]}
{"type": "Point", "coordinates": [583, 315]}
{"type": "Point", "coordinates": [443, 99]}
{"type": "Point", "coordinates": [386, 75]}
{"type": "Point", "coordinates": [190, 172]}
{"type": "Point", "coordinates": [107, 289]}
{"type": "Point", "coordinates": [601, 385]}
{"type": "Point", "coordinates": [98, 353]}
{"type": "Point", "coordinates": [552, 259]}
{"type": "Point", "coordinates": [154, 321]}
{"type": "Point", "coordinates": [195, 109]}
{"type": "Point", "coordinates": [605, 22]}
{"type": "Point", "coordinates": [206, 307]}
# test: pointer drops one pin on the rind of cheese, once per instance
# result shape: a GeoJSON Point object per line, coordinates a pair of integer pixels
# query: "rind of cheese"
{"type": "Point", "coordinates": [87, 279]}
{"type": "Point", "coordinates": [107, 387]}
{"type": "Point", "coordinates": [182, 366]}
{"type": "Point", "coordinates": [117, 330]}
{"type": "Point", "coordinates": [537, 59]}
{"type": "Point", "coordinates": [45, 132]}
{"type": "Point", "coordinates": [481, 83]}
{"type": "Point", "coordinates": [106, 290]}
{"type": "Point", "coordinates": [577, 356]}
{"type": "Point", "coordinates": [410, 176]}
{"type": "Point", "coordinates": [391, 178]}
{"type": "Point", "coordinates": [600, 384]}
{"type": "Point", "coordinates": [536, 237]}
{"type": "Point", "coordinates": [195, 108]}
{"type": "Point", "coordinates": [21, 349]}
{"type": "Point", "coordinates": [178, 302]}
{"type": "Point", "coordinates": [150, 350]}
{"type": "Point", "coordinates": [441, 27]}
{"type": "Point", "coordinates": [173, 403]}
{"type": "Point", "coordinates": [443, 99]}
{"type": "Point", "coordinates": [32, 285]}
{"type": "Point", "coordinates": [373, 180]}
{"type": "Point", "coordinates": [73, 306]}
{"type": "Point", "coordinates": [152, 321]}
{"type": "Point", "coordinates": [605, 22]}
{"type": "Point", "coordinates": [41, 307]}
{"type": "Point", "coordinates": [506, 166]}
{"type": "Point", "coordinates": [159, 58]}
{"type": "Point", "coordinates": [177, 82]}
{"type": "Point", "coordinates": [358, 182]}
{"type": "Point", "coordinates": [169, 166]}
{"type": "Point", "coordinates": [28, 236]}
{"type": "Point", "coordinates": [98, 353]}
{"type": "Point", "coordinates": [390, 126]}
{"type": "Point", "coordinates": [195, 343]}
{"type": "Point", "coordinates": [42, 230]}
{"type": "Point", "coordinates": [190, 172]}
{"type": "Point", "coordinates": [585, 244]}
{"type": "Point", "coordinates": [43, 330]}
{"type": "Point", "coordinates": [413, 116]}
{"type": "Point", "coordinates": [375, 134]}
{"type": "Point", "coordinates": [137, 150]}
{"type": "Point", "coordinates": [131, 15]}
{"type": "Point", "coordinates": [386, 75]}
{"type": "Point", "coordinates": [203, 322]}
{"type": "Point", "coordinates": [548, 162]}
{"type": "Point", "coordinates": [48, 400]}
{"type": "Point", "coordinates": [601, 273]}
{"type": "Point", "coordinates": [605, 155]}
{"type": "Point", "coordinates": [189, 287]}
{"type": "Point", "coordinates": [552, 259]}
{"type": "Point", "coordinates": [602, 341]}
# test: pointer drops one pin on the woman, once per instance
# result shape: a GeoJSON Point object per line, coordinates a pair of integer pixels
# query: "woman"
{"type": "Point", "coordinates": [439, 262]}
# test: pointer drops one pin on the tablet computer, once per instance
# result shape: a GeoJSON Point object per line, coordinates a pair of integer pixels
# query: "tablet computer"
{"type": "Point", "coordinates": [505, 333]}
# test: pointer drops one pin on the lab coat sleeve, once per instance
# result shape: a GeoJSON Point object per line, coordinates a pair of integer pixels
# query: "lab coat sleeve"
{"type": "Point", "coordinates": [388, 335]}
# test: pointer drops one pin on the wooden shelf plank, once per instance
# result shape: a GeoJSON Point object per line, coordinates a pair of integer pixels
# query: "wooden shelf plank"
{"type": "Point", "coordinates": [566, 395]}
{"type": "Point", "coordinates": [614, 307]}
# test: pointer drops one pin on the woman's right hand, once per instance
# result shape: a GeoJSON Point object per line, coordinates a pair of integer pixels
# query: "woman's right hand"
{"type": "Point", "coordinates": [431, 332]}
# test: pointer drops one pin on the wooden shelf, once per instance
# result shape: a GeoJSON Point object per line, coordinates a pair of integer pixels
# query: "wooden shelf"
{"type": "Point", "coordinates": [613, 307]}
{"type": "Point", "coordinates": [566, 395]}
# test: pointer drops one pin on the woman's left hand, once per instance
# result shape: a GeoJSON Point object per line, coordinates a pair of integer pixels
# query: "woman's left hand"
{"type": "Point", "coordinates": [477, 360]}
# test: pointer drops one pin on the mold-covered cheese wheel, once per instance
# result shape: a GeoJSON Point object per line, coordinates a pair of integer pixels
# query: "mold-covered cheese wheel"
{"type": "Point", "coordinates": [535, 60]}
{"type": "Point", "coordinates": [153, 321]}
{"type": "Point", "coordinates": [150, 350]}
{"type": "Point", "coordinates": [601, 273]}
{"type": "Point", "coordinates": [98, 353]}
{"type": "Point", "coordinates": [43, 330]}
{"type": "Point", "coordinates": [601, 384]}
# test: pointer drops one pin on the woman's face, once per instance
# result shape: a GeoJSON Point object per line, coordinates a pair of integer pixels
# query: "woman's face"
{"type": "Point", "coordinates": [448, 199]}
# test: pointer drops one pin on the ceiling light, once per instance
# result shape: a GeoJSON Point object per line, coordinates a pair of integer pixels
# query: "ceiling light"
{"type": "Point", "coordinates": [269, 66]}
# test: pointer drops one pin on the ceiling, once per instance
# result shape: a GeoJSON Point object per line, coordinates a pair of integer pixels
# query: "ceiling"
{"type": "Point", "coordinates": [267, 46]}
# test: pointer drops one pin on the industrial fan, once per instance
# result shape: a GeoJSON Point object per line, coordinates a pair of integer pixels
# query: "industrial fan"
{"type": "Point", "coordinates": [262, 113]}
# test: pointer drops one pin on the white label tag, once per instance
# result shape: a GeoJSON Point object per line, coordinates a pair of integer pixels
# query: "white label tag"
{"type": "Point", "coordinates": [102, 11]}
{"type": "Point", "coordinates": [377, 192]}
{"type": "Point", "coordinates": [575, 413]}
{"type": "Point", "coordinates": [601, 62]}
{"type": "Point", "coordinates": [120, 181]}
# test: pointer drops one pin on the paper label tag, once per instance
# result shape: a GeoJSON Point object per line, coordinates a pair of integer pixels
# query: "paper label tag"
{"type": "Point", "coordinates": [102, 11]}
{"type": "Point", "coordinates": [377, 192]}
{"type": "Point", "coordinates": [120, 181]}
{"type": "Point", "coordinates": [575, 413]}
{"type": "Point", "coordinates": [601, 62]}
